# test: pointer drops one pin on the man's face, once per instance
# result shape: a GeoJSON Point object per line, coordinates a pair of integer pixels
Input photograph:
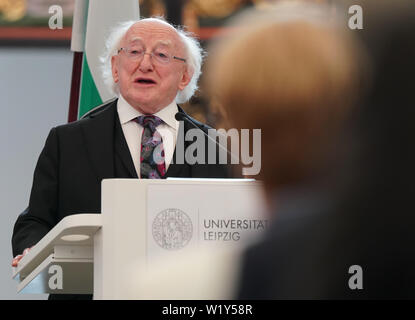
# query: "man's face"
{"type": "Point", "coordinates": [145, 84]}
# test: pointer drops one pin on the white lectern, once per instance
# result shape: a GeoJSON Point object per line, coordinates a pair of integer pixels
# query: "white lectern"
{"type": "Point", "coordinates": [142, 221]}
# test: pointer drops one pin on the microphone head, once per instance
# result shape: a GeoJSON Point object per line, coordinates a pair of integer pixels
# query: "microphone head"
{"type": "Point", "coordinates": [180, 116]}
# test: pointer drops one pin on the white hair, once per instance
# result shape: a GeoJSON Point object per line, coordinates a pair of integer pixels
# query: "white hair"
{"type": "Point", "coordinates": [193, 51]}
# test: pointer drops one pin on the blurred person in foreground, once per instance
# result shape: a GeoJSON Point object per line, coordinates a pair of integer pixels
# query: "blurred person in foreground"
{"type": "Point", "coordinates": [350, 235]}
{"type": "Point", "coordinates": [299, 72]}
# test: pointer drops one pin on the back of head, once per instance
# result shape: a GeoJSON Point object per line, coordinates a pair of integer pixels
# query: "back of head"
{"type": "Point", "coordinates": [290, 72]}
{"type": "Point", "coordinates": [371, 226]}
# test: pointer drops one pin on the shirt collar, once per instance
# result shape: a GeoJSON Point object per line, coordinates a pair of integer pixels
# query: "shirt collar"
{"type": "Point", "coordinates": [127, 113]}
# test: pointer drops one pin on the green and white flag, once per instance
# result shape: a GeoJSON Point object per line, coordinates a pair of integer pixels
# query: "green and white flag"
{"type": "Point", "coordinates": [101, 17]}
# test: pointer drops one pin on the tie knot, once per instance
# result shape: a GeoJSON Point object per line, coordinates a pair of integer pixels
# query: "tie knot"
{"type": "Point", "coordinates": [150, 122]}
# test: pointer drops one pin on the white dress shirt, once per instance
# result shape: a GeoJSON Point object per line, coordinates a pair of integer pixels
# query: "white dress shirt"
{"type": "Point", "coordinates": [133, 131]}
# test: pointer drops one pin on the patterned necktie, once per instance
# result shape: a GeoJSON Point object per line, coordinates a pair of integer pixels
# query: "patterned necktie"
{"type": "Point", "coordinates": [152, 165]}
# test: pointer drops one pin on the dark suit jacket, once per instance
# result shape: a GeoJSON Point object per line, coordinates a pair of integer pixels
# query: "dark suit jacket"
{"type": "Point", "coordinates": [72, 164]}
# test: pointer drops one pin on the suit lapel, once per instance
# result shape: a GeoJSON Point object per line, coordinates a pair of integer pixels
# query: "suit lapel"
{"type": "Point", "coordinates": [98, 133]}
{"type": "Point", "coordinates": [180, 170]}
{"type": "Point", "coordinates": [175, 169]}
{"type": "Point", "coordinates": [122, 150]}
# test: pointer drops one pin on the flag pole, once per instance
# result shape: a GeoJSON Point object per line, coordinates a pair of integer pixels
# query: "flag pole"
{"type": "Point", "coordinates": [77, 46]}
{"type": "Point", "coordinates": [75, 86]}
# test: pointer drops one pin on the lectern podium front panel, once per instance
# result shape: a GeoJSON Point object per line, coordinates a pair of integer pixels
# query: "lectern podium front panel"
{"type": "Point", "coordinates": [141, 222]}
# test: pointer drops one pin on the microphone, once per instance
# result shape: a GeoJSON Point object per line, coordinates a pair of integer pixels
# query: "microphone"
{"type": "Point", "coordinates": [181, 116]}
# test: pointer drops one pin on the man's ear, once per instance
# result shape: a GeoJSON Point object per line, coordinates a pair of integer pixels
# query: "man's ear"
{"type": "Point", "coordinates": [114, 68]}
{"type": "Point", "coordinates": [186, 77]}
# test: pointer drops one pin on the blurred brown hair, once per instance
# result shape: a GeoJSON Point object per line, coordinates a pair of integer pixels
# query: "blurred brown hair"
{"type": "Point", "coordinates": [293, 78]}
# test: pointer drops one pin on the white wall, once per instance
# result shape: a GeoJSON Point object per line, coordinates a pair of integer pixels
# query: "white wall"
{"type": "Point", "coordinates": [34, 97]}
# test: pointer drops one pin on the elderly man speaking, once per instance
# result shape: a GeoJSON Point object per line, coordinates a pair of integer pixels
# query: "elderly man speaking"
{"type": "Point", "coordinates": [150, 65]}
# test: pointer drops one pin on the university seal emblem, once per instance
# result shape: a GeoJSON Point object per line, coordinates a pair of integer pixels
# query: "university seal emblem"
{"type": "Point", "coordinates": [172, 229]}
